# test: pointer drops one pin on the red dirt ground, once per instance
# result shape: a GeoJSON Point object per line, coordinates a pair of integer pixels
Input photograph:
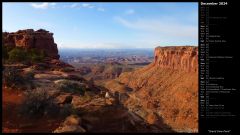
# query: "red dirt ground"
{"type": "Point", "coordinates": [13, 122]}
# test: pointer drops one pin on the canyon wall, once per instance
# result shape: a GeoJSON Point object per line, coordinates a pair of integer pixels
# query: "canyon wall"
{"type": "Point", "coordinates": [167, 89]}
{"type": "Point", "coordinates": [177, 57]}
{"type": "Point", "coordinates": [40, 40]}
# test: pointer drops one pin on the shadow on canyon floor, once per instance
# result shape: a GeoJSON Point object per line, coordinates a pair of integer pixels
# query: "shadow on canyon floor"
{"type": "Point", "coordinates": [106, 119]}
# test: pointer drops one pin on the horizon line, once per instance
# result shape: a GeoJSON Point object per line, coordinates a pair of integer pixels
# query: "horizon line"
{"type": "Point", "coordinates": [124, 48]}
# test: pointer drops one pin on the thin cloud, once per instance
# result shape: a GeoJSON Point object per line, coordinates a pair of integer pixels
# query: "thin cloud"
{"type": "Point", "coordinates": [90, 6]}
{"type": "Point", "coordinates": [43, 5]}
{"type": "Point", "coordinates": [86, 5]}
{"type": "Point", "coordinates": [167, 31]}
{"type": "Point", "coordinates": [46, 5]}
{"type": "Point", "coordinates": [74, 5]}
{"type": "Point", "coordinates": [161, 27]}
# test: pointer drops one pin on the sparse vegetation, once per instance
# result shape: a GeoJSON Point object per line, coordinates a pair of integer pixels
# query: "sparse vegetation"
{"type": "Point", "coordinates": [36, 56]}
{"type": "Point", "coordinates": [11, 77]}
{"type": "Point", "coordinates": [18, 54]}
{"type": "Point", "coordinates": [71, 86]}
{"type": "Point", "coordinates": [39, 103]}
{"type": "Point", "coordinates": [14, 78]}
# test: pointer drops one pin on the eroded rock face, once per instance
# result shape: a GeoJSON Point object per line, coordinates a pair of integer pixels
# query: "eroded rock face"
{"type": "Point", "coordinates": [167, 88]}
{"type": "Point", "coordinates": [40, 39]}
{"type": "Point", "coordinates": [178, 57]}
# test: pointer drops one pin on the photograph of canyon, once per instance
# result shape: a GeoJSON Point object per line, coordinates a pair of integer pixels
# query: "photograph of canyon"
{"type": "Point", "coordinates": [90, 67]}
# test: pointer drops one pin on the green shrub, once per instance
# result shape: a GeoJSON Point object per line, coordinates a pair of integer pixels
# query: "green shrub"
{"type": "Point", "coordinates": [36, 56]}
{"type": "Point", "coordinates": [18, 54]}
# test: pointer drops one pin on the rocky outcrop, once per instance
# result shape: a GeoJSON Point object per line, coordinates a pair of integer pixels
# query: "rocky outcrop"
{"type": "Point", "coordinates": [166, 89]}
{"type": "Point", "coordinates": [177, 57]}
{"type": "Point", "coordinates": [40, 40]}
{"type": "Point", "coordinates": [70, 125]}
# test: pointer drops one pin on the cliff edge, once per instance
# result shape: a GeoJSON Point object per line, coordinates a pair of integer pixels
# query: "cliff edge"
{"type": "Point", "coordinates": [167, 89]}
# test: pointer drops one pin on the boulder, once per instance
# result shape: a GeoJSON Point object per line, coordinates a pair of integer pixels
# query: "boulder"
{"type": "Point", "coordinates": [70, 125]}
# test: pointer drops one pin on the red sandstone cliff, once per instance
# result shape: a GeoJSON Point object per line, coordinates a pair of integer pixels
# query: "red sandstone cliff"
{"type": "Point", "coordinates": [178, 57]}
{"type": "Point", "coordinates": [40, 39]}
{"type": "Point", "coordinates": [167, 88]}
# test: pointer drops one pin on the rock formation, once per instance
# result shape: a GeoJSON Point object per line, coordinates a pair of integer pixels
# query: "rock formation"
{"type": "Point", "coordinates": [40, 39]}
{"type": "Point", "coordinates": [166, 89]}
{"type": "Point", "coordinates": [178, 57]}
{"type": "Point", "coordinates": [70, 125]}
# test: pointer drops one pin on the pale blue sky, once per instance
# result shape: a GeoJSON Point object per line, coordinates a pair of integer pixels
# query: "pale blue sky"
{"type": "Point", "coordinates": [108, 25]}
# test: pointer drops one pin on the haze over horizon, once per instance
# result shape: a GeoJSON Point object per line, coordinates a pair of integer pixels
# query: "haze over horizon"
{"type": "Point", "coordinates": [92, 25]}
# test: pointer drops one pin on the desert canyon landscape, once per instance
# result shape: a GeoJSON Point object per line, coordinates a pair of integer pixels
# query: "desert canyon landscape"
{"type": "Point", "coordinates": [42, 93]}
{"type": "Point", "coordinates": [94, 67]}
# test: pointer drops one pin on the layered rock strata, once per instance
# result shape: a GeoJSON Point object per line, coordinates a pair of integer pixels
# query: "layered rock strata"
{"type": "Point", "coordinates": [167, 89]}
{"type": "Point", "coordinates": [40, 40]}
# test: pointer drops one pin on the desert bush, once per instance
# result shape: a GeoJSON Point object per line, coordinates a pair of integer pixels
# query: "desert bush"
{"type": "Point", "coordinates": [71, 86]}
{"type": "Point", "coordinates": [38, 103]}
{"type": "Point", "coordinates": [36, 56]}
{"type": "Point", "coordinates": [18, 54]}
{"type": "Point", "coordinates": [14, 78]}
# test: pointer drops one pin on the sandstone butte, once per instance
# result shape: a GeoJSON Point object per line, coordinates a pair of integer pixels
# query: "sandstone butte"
{"type": "Point", "coordinates": [39, 39]}
{"type": "Point", "coordinates": [167, 88]}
